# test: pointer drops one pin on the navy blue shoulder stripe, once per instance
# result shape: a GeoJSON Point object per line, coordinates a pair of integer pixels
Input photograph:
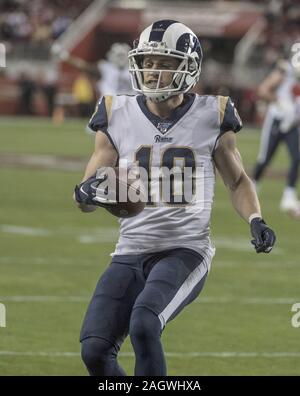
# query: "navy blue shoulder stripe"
{"type": "Point", "coordinates": [99, 119]}
{"type": "Point", "coordinates": [231, 120]}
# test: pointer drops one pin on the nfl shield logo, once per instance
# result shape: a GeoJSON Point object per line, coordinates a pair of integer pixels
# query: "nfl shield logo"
{"type": "Point", "coordinates": [163, 126]}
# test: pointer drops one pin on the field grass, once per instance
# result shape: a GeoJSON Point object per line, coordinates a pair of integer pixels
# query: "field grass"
{"type": "Point", "coordinates": [52, 256]}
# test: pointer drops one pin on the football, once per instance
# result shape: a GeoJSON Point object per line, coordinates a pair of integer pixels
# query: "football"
{"type": "Point", "coordinates": [126, 189]}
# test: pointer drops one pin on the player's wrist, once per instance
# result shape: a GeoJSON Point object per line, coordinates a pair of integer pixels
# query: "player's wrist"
{"type": "Point", "coordinates": [254, 216]}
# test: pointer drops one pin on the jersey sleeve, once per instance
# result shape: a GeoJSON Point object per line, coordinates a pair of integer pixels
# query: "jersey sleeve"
{"type": "Point", "coordinates": [100, 118]}
{"type": "Point", "coordinates": [229, 117]}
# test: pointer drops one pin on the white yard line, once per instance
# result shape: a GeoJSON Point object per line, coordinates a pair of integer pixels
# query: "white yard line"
{"type": "Point", "coordinates": [12, 229]}
{"type": "Point", "coordinates": [99, 235]}
{"type": "Point", "coordinates": [10, 260]}
{"type": "Point", "coordinates": [251, 301]}
{"type": "Point", "coordinates": [40, 299]}
{"type": "Point", "coordinates": [217, 263]}
{"type": "Point", "coordinates": [240, 244]}
{"type": "Point", "coordinates": [110, 234]}
{"type": "Point", "coordinates": [168, 354]}
{"type": "Point", "coordinates": [200, 300]}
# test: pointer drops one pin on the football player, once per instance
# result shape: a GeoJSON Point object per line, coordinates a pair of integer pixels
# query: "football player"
{"type": "Point", "coordinates": [112, 72]}
{"type": "Point", "coordinates": [163, 254]}
{"type": "Point", "coordinates": [281, 124]}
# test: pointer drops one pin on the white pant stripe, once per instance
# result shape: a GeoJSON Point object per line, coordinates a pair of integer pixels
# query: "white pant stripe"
{"type": "Point", "coordinates": [186, 288]}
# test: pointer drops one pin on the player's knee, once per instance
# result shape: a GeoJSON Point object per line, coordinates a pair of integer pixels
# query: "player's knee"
{"type": "Point", "coordinates": [144, 326]}
{"type": "Point", "coordinates": [96, 352]}
{"type": "Point", "coordinates": [264, 163]}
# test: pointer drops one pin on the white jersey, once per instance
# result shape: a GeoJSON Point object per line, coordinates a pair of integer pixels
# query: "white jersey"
{"type": "Point", "coordinates": [114, 81]}
{"type": "Point", "coordinates": [190, 136]}
{"type": "Point", "coordinates": [286, 108]}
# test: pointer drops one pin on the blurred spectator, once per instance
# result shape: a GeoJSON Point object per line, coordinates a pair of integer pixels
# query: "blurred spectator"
{"type": "Point", "coordinates": [115, 78]}
{"type": "Point", "coordinates": [59, 25]}
{"type": "Point", "coordinates": [37, 20]}
{"type": "Point", "coordinates": [29, 28]}
{"type": "Point", "coordinates": [112, 72]}
{"type": "Point", "coordinates": [48, 84]}
{"type": "Point", "coordinates": [282, 29]}
{"type": "Point", "coordinates": [27, 89]}
{"type": "Point", "coordinates": [83, 94]}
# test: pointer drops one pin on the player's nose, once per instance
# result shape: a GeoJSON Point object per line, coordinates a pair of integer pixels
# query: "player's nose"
{"type": "Point", "coordinates": [153, 71]}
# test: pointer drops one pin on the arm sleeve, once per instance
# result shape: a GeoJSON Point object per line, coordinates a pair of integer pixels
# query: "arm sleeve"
{"type": "Point", "coordinates": [229, 117]}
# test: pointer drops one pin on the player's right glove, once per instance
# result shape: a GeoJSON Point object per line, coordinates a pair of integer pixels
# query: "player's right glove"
{"type": "Point", "coordinates": [264, 237]}
{"type": "Point", "coordinates": [90, 192]}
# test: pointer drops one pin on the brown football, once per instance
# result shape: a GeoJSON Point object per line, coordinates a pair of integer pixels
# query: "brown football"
{"type": "Point", "coordinates": [130, 196]}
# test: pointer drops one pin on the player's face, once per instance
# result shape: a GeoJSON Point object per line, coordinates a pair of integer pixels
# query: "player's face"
{"type": "Point", "coordinates": [158, 62]}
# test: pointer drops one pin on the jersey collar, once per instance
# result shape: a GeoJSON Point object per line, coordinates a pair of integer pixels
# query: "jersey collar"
{"type": "Point", "coordinates": [164, 124]}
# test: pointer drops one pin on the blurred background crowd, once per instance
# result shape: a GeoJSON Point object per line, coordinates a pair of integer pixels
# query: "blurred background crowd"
{"type": "Point", "coordinates": [55, 49]}
{"type": "Point", "coordinates": [37, 22]}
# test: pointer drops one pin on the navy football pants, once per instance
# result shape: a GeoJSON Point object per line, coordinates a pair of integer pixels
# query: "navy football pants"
{"type": "Point", "coordinates": [138, 295]}
{"type": "Point", "coordinates": [269, 147]}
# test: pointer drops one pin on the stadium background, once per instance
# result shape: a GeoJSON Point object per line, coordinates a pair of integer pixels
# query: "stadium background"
{"type": "Point", "coordinates": [52, 255]}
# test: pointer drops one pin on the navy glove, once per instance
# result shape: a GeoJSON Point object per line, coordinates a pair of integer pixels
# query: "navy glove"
{"type": "Point", "coordinates": [264, 237]}
{"type": "Point", "coordinates": [90, 192]}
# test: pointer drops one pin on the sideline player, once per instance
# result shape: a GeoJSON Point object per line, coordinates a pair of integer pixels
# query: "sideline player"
{"type": "Point", "coordinates": [164, 253]}
{"type": "Point", "coordinates": [112, 72]}
{"type": "Point", "coordinates": [281, 124]}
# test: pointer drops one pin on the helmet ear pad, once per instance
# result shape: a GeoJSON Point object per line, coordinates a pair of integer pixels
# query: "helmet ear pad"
{"type": "Point", "coordinates": [194, 68]}
{"type": "Point", "coordinates": [178, 77]}
{"type": "Point", "coordinates": [187, 65]}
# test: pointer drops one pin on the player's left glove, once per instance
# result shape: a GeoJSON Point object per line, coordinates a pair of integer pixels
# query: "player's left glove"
{"type": "Point", "coordinates": [264, 237]}
{"type": "Point", "coordinates": [90, 192]}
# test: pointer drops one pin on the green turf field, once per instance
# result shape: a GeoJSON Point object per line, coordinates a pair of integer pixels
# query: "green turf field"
{"type": "Point", "coordinates": [52, 256]}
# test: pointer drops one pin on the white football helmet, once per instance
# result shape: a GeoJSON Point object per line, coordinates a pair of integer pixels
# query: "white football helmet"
{"type": "Point", "coordinates": [118, 55]}
{"type": "Point", "coordinates": [173, 39]}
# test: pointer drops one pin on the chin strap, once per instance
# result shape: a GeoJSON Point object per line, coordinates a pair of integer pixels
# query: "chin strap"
{"type": "Point", "coordinates": [160, 97]}
{"type": "Point", "coordinates": [158, 100]}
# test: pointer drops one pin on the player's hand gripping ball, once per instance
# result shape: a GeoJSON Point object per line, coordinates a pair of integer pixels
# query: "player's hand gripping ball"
{"type": "Point", "coordinates": [118, 190]}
